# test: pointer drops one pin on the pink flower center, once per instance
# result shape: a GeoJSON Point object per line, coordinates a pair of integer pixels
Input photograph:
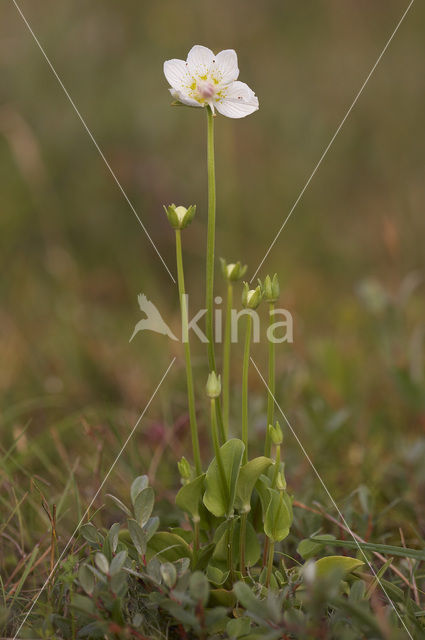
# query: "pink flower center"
{"type": "Point", "coordinates": [206, 89]}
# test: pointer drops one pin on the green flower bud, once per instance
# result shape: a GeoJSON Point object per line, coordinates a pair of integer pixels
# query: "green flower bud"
{"type": "Point", "coordinates": [270, 288]}
{"type": "Point", "coordinates": [280, 482]}
{"type": "Point", "coordinates": [185, 470]}
{"type": "Point", "coordinates": [233, 271]}
{"type": "Point", "coordinates": [180, 217]}
{"type": "Point", "coordinates": [213, 387]}
{"type": "Point", "coordinates": [251, 298]}
{"type": "Point", "coordinates": [276, 434]}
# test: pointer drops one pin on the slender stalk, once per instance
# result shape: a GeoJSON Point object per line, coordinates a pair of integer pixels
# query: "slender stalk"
{"type": "Point", "coordinates": [245, 385]}
{"type": "Point", "coordinates": [223, 437]}
{"type": "Point", "coordinates": [230, 549]}
{"type": "Point", "coordinates": [195, 543]}
{"type": "Point", "coordinates": [226, 360]}
{"type": "Point", "coordinates": [189, 374]}
{"type": "Point", "coordinates": [242, 542]}
{"type": "Point", "coordinates": [271, 385]}
{"type": "Point", "coordinates": [270, 563]}
{"type": "Point", "coordinates": [216, 444]}
{"type": "Point", "coordinates": [210, 239]}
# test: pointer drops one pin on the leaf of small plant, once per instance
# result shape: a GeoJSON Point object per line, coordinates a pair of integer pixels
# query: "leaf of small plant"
{"type": "Point", "coordinates": [101, 562]}
{"type": "Point", "coordinates": [218, 498]}
{"type": "Point", "coordinates": [140, 483]}
{"type": "Point", "coordinates": [308, 548]}
{"type": "Point", "coordinates": [189, 497]}
{"type": "Point", "coordinates": [143, 505]}
{"type": "Point", "coordinates": [120, 504]}
{"type": "Point", "coordinates": [86, 578]}
{"type": "Point", "coordinates": [168, 546]}
{"type": "Point", "coordinates": [238, 627]}
{"type": "Point", "coordinates": [278, 518]}
{"type": "Point", "coordinates": [113, 535]}
{"type": "Point", "coordinates": [151, 527]}
{"type": "Point", "coordinates": [168, 574]}
{"type": "Point", "coordinates": [199, 587]}
{"type": "Point", "coordinates": [138, 537]}
{"type": "Point", "coordinates": [117, 562]}
{"type": "Point", "coordinates": [89, 533]}
{"type": "Point", "coordinates": [346, 565]}
{"type": "Point", "coordinates": [249, 601]}
{"type": "Point", "coordinates": [248, 476]}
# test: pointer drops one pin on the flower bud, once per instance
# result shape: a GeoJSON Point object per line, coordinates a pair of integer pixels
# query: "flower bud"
{"type": "Point", "coordinates": [233, 271]}
{"type": "Point", "coordinates": [180, 217]}
{"type": "Point", "coordinates": [213, 387]}
{"type": "Point", "coordinates": [276, 434]}
{"type": "Point", "coordinates": [185, 470]}
{"type": "Point", "coordinates": [270, 288]}
{"type": "Point", "coordinates": [280, 481]}
{"type": "Point", "coordinates": [251, 298]}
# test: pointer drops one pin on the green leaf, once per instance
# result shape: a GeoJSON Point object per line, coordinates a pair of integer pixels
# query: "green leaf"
{"type": "Point", "coordinates": [238, 627]}
{"type": "Point", "coordinates": [89, 533]}
{"type": "Point", "coordinates": [189, 496]}
{"type": "Point", "coordinates": [278, 518]}
{"type": "Point", "coordinates": [252, 545]}
{"type": "Point", "coordinates": [120, 504]}
{"type": "Point", "coordinates": [138, 536]}
{"type": "Point", "coordinates": [219, 498]}
{"type": "Point", "coordinates": [309, 547]}
{"type": "Point", "coordinates": [117, 562]}
{"type": "Point", "coordinates": [113, 535]}
{"type": "Point", "coordinates": [168, 546]}
{"type": "Point", "coordinates": [86, 578]}
{"type": "Point", "coordinates": [199, 587]}
{"type": "Point", "coordinates": [140, 483]}
{"type": "Point", "coordinates": [101, 562]}
{"type": "Point", "coordinates": [327, 565]}
{"type": "Point", "coordinates": [404, 552]}
{"type": "Point", "coordinates": [216, 575]}
{"type": "Point", "coordinates": [249, 601]}
{"type": "Point", "coordinates": [168, 574]}
{"type": "Point", "coordinates": [151, 527]}
{"type": "Point", "coordinates": [143, 505]}
{"type": "Point", "coordinates": [249, 474]}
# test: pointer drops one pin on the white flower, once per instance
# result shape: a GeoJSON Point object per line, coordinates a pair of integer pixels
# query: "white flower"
{"type": "Point", "coordinates": [208, 79]}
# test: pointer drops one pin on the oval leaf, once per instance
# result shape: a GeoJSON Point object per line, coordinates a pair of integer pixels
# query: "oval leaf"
{"type": "Point", "coordinates": [278, 517]}
{"type": "Point", "coordinates": [249, 474]}
{"type": "Point", "coordinates": [218, 498]}
{"type": "Point", "coordinates": [189, 496]}
{"type": "Point", "coordinates": [143, 505]}
{"type": "Point", "coordinates": [140, 483]}
{"type": "Point", "coordinates": [324, 566]}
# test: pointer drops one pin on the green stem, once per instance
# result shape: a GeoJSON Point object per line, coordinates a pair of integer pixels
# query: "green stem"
{"type": "Point", "coordinates": [195, 543]}
{"type": "Point", "coordinates": [270, 563]}
{"type": "Point", "coordinates": [271, 385]}
{"type": "Point", "coordinates": [230, 549]}
{"type": "Point", "coordinates": [189, 374]}
{"type": "Point", "coordinates": [245, 385]}
{"type": "Point", "coordinates": [216, 445]}
{"type": "Point", "coordinates": [210, 239]}
{"type": "Point", "coordinates": [242, 542]}
{"type": "Point", "coordinates": [226, 359]}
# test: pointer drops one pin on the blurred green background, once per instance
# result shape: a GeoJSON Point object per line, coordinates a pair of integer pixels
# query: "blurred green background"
{"type": "Point", "coordinates": [350, 260]}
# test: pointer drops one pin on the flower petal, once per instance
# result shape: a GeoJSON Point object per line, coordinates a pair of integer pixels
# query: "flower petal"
{"type": "Point", "coordinates": [177, 74]}
{"type": "Point", "coordinates": [238, 101]}
{"type": "Point", "coordinates": [181, 97]}
{"type": "Point", "coordinates": [225, 66]}
{"type": "Point", "coordinates": [199, 60]}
